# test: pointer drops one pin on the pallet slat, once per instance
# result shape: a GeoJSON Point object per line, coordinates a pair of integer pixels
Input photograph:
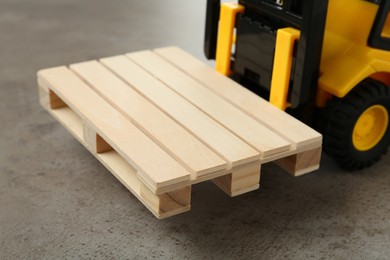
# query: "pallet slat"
{"type": "Point", "coordinates": [300, 135]}
{"type": "Point", "coordinates": [260, 137]}
{"type": "Point", "coordinates": [156, 165]}
{"type": "Point", "coordinates": [162, 206]}
{"type": "Point", "coordinates": [177, 141]}
{"type": "Point", "coordinates": [223, 142]}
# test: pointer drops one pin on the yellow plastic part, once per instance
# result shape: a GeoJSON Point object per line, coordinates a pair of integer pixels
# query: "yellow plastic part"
{"type": "Point", "coordinates": [370, 128]}
{"type": "Point", "coordinates": [386, 28]}
{"type": "Point", "coordinates": [227, 21]}
{"type": "Point", "coordinates": [346, 58]}
{"type": "Point", "coordinates": [285, 40]}
{"type": "Point", "coordinates": [342, 74]}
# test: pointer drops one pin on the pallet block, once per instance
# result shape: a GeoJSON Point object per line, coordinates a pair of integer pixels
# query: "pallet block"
{"type": "Point", "coordinates": [161, 121]}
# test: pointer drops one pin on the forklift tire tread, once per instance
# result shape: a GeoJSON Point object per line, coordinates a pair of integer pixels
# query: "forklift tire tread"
{"type": "Point", "coordinates": [342, 115]}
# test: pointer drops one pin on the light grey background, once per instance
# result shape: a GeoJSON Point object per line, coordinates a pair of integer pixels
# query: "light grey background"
{"type": "Point", "coordinates": [57, 201]}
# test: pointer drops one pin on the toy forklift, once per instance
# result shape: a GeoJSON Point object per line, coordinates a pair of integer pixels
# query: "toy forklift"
{"type": "Point", "coordinates": [325, 62]}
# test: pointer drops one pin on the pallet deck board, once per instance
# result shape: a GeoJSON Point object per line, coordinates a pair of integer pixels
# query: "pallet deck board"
{"type": "Point", "coordinates": [221, 140]}
{"type": "Point", "coordinates": [157, 166]}
{"type": "Point", "coordinates": [181, 144]}
{"type": "Point", "coordinates": [260, 137]}
{"type": "Point", "coordinates": [290, 128]}
{"type": "Point", "coordinates": [115, 163]}
{"type": "Point", "coordinates": [160, 126]}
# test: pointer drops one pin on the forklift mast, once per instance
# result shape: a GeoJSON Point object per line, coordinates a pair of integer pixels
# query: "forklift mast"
{"type": "Point", "coordinates": [253, 57]}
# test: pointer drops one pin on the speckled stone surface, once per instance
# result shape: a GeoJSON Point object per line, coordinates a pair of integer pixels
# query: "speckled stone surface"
{"type": "Point", "coordinates": [57, 201]}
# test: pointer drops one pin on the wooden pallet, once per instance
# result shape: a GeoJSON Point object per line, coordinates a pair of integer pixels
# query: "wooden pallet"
{"type": "Point", "coordinates": [162, 121]}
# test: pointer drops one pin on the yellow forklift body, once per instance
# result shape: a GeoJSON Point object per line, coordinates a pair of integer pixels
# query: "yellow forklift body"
{"type": "Point", "coordinates": [346, 57]}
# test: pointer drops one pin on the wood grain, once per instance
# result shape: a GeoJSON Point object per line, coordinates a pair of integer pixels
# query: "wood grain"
{"type": "Point", "coordinates": [290, 128]}
{"type": "Point", "coordinates": [301, 163]}
{"type": "Point", "coordinates": [162, 206]}
{"type": "Point", "coordinates": [242, 125]}
{"type": "Point", "coordinates": [155, 165]}
{"type": "Point", "coordinates": [176, 140]}
{"type": "Point", "coordinates": [220, 140]}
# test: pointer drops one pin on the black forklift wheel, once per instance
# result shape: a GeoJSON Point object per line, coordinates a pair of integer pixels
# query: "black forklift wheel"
{"type": "Point", "coordinates": [357, 132]}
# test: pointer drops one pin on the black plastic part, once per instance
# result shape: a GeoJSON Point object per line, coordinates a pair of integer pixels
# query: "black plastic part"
{"type": "Point", "coordinates": [255, 48]}
{"type": "Point", "coordinates": [376, 40]}
{"type": "Point", "coordinates": [374, 1]}
{"type": "Point", "coordinates": [340, 117]}
{"type": "Point", "coordinates": [309, 52]}
{"type": "Point", "coordinates": [288, 13]}
{"type": "Point", "coordinates": [211, 30]}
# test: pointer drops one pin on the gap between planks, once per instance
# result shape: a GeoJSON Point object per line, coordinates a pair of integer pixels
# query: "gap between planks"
{"type": "Point", "coordinates": [256, 107]}
{"type": "Point", "coordinates": [162, 206]}
{"type": "Point", "coordinates": [216, 136]}
{"type": "Point", "coordinates": [177, 141]}
{"type": "Point", "coordinates": [150, 160]}
{"type": "Point", "coordinates": [251, 131]}
{"type": "Point", "coordinates": [97, 144]}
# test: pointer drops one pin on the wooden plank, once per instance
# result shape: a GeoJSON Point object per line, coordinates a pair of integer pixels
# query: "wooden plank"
{"type": "Point", "coordinates": [95, 142]}
{"type": "Point", "coordinates": [152, 163]}
{"type": "Point", "coordinates": [282, 123]}
{"type": "Point", "coordinates": [162, 206]}
{"type": "Point", "coordinates": [74, 126]}
{"type": "Point", "coordinates": [242, 180]}
{"type": "Point", "coordinates": [167, 204]}
{"type": "Point", "coordinates": [177, 141]}
{"type": "Point", "coordinates": [64, 114]}
{"type": "Point", "coordinates": [248, 129]}
{"type": "Point", "coordinates": [220, 140]}
{"type": "Point", "coordinates": [301, 163]}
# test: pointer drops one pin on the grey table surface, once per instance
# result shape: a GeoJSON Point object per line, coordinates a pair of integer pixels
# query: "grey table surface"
{"type": "Point", "coordinates": [58, 201]}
